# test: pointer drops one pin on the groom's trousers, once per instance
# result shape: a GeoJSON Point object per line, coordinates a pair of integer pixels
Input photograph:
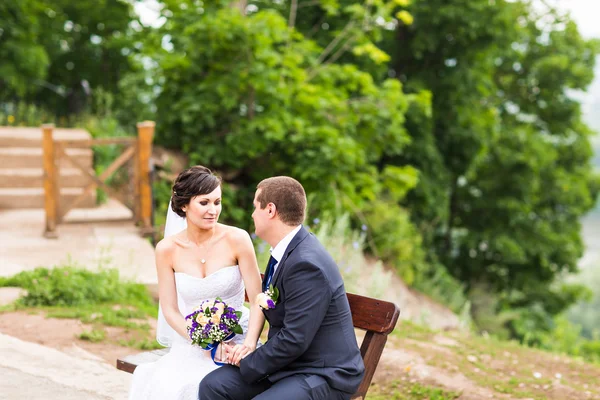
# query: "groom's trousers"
{"type": "Point", "coordinates": [226, 383]}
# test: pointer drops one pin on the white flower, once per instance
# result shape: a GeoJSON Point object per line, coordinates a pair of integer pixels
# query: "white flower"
{"type": "Point", "coordinates": [262, 299]}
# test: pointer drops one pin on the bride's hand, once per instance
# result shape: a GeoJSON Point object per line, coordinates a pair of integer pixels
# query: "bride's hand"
{"type": "Point", "coordinates": [237, 352]}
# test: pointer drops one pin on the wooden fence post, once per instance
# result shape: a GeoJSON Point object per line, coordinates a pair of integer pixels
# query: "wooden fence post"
{"type": "Point", "coordinates": [144, 198]}
{"type": "Point", "coordinates": [50, 181]}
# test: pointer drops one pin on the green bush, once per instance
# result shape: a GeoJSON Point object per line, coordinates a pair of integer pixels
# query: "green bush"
{"type": "Point", "coordinates": [566, 338]}
{"type": "Point", "coordinates": [71, 286]}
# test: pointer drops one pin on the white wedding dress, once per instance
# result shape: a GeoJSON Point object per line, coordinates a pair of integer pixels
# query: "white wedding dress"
{"type": "Point", "coordinates": [177, 375]}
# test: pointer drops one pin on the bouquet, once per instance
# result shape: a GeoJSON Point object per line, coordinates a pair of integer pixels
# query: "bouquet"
{"type": "Point", "coordinates": [213, 322]}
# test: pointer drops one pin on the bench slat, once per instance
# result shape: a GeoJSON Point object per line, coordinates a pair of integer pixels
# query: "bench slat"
{"type": "Point", "coordinates": [129, 363]}
{"type": "Point", "coordinates": [372, 314]}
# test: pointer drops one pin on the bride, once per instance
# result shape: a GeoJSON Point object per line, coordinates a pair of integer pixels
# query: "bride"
{"type": "Point", "coordinates": [198, 259]}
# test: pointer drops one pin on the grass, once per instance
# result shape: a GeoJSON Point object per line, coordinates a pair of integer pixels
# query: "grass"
{"type": "Point", "coordinates": [94, 335]}
{"type": "Point", "coordinates": [99, 298]}
{"type": "Point", "coordinates": [489, 364]}
{"type": "Point", "coordinates": [403, 390]}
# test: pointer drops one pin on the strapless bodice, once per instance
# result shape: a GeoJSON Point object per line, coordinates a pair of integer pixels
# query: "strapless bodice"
{"type": "Point", "coordinates": [225, 283]}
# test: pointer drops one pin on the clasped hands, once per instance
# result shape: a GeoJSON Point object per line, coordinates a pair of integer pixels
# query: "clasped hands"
{"type": "Point", "coordinates": [234, 354]}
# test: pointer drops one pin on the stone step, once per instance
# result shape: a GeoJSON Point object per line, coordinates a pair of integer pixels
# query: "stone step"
{"type": "Point", "coordinates": [34, 177]}
{"type": "Point", "coordinates": [31, 157]}
{"type": "Point", "coordinates": [34, 198]}
{"type": "Point", "coordinates": [32, 136]}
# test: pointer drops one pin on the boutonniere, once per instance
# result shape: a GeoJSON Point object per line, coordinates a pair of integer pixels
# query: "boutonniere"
{"type": "Point", "coordinates": [268, 299]}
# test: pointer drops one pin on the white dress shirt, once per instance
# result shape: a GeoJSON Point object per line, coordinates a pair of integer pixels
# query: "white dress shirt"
{"type": "Point", "coordinates": [279, 250]}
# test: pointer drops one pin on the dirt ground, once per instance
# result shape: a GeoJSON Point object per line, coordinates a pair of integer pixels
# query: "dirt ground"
{"type": "Point", "coordinates": [63, 334]}
{"type": "Point", "coordinates": [464, 367]}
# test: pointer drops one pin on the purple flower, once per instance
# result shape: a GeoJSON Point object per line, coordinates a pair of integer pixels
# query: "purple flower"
{"type": "Point", "coordinates": [270, 303]}
{"type": "Point", "coordinates": [363, 227]}
{"type": "Point", "coordinates": [207, 328]}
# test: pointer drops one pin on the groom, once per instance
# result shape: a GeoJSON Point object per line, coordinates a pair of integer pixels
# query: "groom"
{"type": "Point", "coordinates": [311, 352]}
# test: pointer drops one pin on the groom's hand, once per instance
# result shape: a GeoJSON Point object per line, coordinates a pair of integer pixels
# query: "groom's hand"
{"type": "Point", "coordinates": [236, 353]}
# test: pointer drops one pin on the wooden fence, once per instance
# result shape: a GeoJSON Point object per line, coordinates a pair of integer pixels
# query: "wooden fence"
{"type": "Point", "coordinates": [137, 148]}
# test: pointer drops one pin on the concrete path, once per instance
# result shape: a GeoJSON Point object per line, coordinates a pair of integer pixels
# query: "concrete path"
{"type": "Point", "coordinates": [31, 371]}
{"type": "Point", "coordinates": [114, 244]}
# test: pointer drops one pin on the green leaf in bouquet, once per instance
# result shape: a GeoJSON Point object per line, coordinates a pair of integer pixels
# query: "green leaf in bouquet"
{"type": "Point", "coordinates": [207, 312]}
{"type": "Point", "coordinates": [238, 330]}
{"type": "Point", "coordinates": [239, 314]}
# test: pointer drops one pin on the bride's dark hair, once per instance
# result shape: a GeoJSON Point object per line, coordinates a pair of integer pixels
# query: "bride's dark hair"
{"type": "Point", "coordinates": [190, 183]}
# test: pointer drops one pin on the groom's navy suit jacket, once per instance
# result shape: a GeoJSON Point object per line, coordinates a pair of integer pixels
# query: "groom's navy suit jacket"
{"type": "Point", "coordinates": [311, 329]}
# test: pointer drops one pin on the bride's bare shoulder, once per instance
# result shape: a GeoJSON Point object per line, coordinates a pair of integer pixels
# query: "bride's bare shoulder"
{"type": "Point", "coordinates": [169, 244]}
{"type": "Point", "coordinates": [235, 234]}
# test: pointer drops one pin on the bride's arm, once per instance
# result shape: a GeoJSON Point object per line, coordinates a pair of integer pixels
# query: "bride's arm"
{"type": "Point", "coordinates": [167, 291]}
{"type": "Point", "coordinates": [252, 281]}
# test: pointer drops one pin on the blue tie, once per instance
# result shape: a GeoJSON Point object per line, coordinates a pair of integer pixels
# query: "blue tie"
{"type": "Point", "coordinates": [269, 273]}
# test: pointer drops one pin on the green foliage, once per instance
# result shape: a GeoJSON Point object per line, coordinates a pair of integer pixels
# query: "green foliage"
{"type": "Point", "coordinates": [97, 298]}
{"type": "Point", "coordinates": [505, 174]}
{"type": "Point", "coordinates": [23, 58]}
{"type": "Point", "coordinates": [94, 335]}
{"type": "Point", "coordinates": [56, 53]}
{"type": "Point", "coordinates": [277, 110]}
{"type": "Point", "coordinates": [105, 125]}
{"type": "Point", "coordinates": [398, 390]}
{"type": "Point", "coordinates": [566, 338]}
{"type": "Point", "coordinates": [72, 286]}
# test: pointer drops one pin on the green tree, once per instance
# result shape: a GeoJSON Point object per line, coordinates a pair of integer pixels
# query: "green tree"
{"type": "Point", "coordinates": [22, 58]}
{"type": "Point", "coordinates": [258, 98]}
{"type": "Point", "coordinates": [506, 162]}
{"type": "Point", "coordinates": [57, 54]}
{"type": "Point", "coordinates": [89, 45]}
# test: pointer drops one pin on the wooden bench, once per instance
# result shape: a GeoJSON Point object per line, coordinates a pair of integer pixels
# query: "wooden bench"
{"type": "Point", "coordinates": [377, 317]}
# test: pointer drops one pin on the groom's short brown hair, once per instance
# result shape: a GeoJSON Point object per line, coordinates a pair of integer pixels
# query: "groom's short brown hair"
{"type": "Point", "coordinates": [288, 196]}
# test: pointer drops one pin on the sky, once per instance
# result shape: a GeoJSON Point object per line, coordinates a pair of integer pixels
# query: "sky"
{"type": "Point", "coordinates": [585, 13]}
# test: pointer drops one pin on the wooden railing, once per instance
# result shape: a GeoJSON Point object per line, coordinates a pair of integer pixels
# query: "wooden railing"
{"type": "Point", "coordinates": [137, 148]}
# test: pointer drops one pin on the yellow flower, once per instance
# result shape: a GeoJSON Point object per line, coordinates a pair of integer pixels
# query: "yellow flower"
{"type": "Point", "coordinates": [405, 17]}
{"type": "Point", "coordinates": [11, 119]}
{"type": "Point", "coordinates": [201, 319]}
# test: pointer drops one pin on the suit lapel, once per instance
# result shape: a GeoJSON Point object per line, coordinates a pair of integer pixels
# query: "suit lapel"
{"type": "Point", "coordinates": [300, 236]}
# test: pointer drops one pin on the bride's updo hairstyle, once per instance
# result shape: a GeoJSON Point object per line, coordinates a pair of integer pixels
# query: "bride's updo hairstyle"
{"type": "Point", "coordinates": [192, 182]}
